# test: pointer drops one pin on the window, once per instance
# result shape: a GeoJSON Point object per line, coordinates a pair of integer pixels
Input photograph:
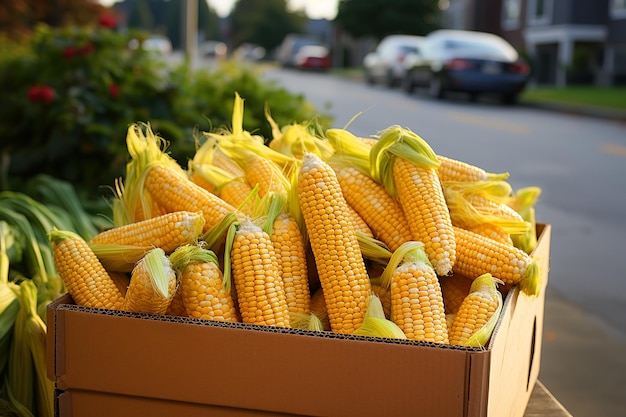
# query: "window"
{"type": "Point", "coordinates": [511, 11]}
{"type": "Point", "coordinates": [618, 9]}
{"type": "Point", "coordinates": [540, 12]}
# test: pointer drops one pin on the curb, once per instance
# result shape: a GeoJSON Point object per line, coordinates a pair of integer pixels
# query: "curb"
{"type": "Point", "coordinates": [576, 110]}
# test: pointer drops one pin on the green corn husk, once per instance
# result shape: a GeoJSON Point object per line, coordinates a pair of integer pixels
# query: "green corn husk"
{"type": "Point", "coordinates": [375, 324]}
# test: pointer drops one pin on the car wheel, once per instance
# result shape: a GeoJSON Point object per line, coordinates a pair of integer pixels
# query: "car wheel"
{"type": "Point", "coordinates": [408, 85]}
{"type": "Point", "coordinates": [435, 89]}
{"type": "Point", "coordinates": [391, 80]}
{"type": "Point", "coordinates": [509, 99]}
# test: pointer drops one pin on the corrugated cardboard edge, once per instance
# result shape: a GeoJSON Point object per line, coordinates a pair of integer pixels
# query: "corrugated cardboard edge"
{"type": "Point", "coordinates": [516, 348]}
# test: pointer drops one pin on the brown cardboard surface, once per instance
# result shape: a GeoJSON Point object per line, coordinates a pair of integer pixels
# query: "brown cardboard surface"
{"type": "Point", "coordinates": [189, 363]}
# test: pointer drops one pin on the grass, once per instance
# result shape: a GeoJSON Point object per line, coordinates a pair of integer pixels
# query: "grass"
{"type": "Point", "coordinates": [598, 97]}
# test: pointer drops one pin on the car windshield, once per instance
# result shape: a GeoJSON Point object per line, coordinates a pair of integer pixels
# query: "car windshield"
{"type": "Point", "coordinates": [495, 50]}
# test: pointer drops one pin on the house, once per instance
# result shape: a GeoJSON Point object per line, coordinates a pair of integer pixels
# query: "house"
{"type": "Point", "coordinates": [567, 41]}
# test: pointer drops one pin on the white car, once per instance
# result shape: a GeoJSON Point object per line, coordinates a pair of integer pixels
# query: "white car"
{"type": "Point", "coordinates": [385, 64]}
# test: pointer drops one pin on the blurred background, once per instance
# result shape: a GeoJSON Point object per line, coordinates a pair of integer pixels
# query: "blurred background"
{"type": "Point", "coordinates": [542, 97]}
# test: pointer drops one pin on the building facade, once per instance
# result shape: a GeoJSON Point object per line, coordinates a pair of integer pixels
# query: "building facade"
{"type": "Point", "coordinates": [566, 41]}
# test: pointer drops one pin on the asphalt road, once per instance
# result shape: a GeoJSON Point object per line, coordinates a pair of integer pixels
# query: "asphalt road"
{"type": "Point", "coordinates": [580, 164]}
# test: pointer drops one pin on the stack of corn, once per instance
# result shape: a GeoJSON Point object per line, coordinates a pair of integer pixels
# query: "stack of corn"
{"type": "Point", "coordinates": [283, 235]}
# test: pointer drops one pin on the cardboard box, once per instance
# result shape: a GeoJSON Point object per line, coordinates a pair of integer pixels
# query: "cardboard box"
{"type": "Point", "coordinates": [111, 363]}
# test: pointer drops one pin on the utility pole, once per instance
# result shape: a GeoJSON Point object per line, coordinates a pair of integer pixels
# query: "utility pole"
{"type": "Point", "coordinates": [190, 30]}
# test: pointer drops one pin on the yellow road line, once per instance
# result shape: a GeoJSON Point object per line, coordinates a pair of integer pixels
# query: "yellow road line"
{"type": "Point", "coordinates": [614, 149]}
{"type": "Point", "coordinates": [490, 123]}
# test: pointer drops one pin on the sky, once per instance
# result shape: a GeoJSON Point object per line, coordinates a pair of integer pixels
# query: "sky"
{"type": "Point", "coordinates": [314, 9]}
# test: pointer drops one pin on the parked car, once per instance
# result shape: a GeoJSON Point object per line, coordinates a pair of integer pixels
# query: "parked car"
{"type": "Point", "coordinates": [313, 57]}
{"type": "Point", "coordinates": [249, 52]}
{"type": "Point", "coordinates": [385, 64]}
{"type": "Point", "coordinates": [467, 61]}
{"type": "Point", "coordinates": [291, 44]}
{"type": "Point", "coordinates": [214, 49]}
{"type": "Point", "coordinates": [157, 43]}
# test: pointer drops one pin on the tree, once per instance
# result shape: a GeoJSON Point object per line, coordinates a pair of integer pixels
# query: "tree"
{"type": "Point", "coordinates": [379, 18]}
{"type": "Point", "coordinates": [264, 22]}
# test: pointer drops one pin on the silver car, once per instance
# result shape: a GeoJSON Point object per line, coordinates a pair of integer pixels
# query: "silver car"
{"type": "Point", "coordinates": [385, 64]}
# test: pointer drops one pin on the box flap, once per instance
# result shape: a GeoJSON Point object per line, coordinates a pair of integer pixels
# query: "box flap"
{"type": "Point", "coordinates": [234, 365]}
{"type": "Point", "coordinates": [516, 346]}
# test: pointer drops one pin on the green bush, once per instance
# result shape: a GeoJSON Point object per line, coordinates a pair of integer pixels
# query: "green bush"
{"type": "Point", "coordinates": [71, 93]}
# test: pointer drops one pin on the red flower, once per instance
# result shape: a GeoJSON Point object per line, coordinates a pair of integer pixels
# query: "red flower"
{"type": "Point", "coordinates": [69, 52]}
{"type": "Point", "coordinates": [86, 50]}
{"type": "Point", "coordinates": [40, 94]}
{"type": "Point", "coordinates": [114, 90]}
{"type": "Point", "coordinates": [107, 21]}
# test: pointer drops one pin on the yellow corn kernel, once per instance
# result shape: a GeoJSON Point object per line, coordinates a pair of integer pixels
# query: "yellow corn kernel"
{"type": "Point", "coordinates": [476, 317]}
{"type": "Point", "coordinates": [318, 308]}
{"type": "Point", "coordinates": [334, 243]}
{"type": "Point", "coordinates": [376, 207]}
{"type": "Point", "coordinates": [175, 192]}
{"type": "Point", "coordinates": [491, 231]}
{"type": "Point", "coordinates": [266, 174]}
{"type": "Point", "coordinates": [85, 278]}
{"type": "Point", "coordinates": [416, 299]}
{"type": "Point", "coordinates": [237, 193]}
{"type": "Point", "coordinates": [202, 289]}
{"type": "Point", "coordinates": [152, 284]}
{"type": "Point", "coordinates": [454, 288]}
{"type": "Point", "coordinates": [290, 253]}
{"type": "Point", "coordinates": [407, 167]}
{"type": "Point", "coordinates": [167, 232]}
{"type": "Point", "coordinates": [454, 170]}
{"type": "Point", "coordinates": [260, 290]}
{"type": "Point", "coordinates": [478, 255]}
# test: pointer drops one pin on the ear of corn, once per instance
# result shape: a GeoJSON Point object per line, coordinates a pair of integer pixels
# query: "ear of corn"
{"type": "Point", "coordinates": [376, 207]}
{"type": "Point", "coordinates": [451, 169]}
{"type": "Point", "coordinates": [406, 165]}
{"type": "Point", "coordinates": [334, 243]}
{"type": "Point", "coordinates": [154, 172]}
{"type": "Point", "coordinates": [260, 290]}
{"type": "Point", "coordinates": [85, 278]}
{"type": "Point", "coordinates": [477, 316]}
{"type": "Point", "coordinates": [478, 255]}
{"type": "Point", "coordinates": [454, 289]}
{"type": "Point", "coordinates": [152, 284]}
{"type": "Point", "coordinates": [167, 232]}
{"type": "Point", "coordinates": [416, 299]}
{"type": "Point", "coordinates": [202, 287]}
{"type": "Point", "coordinates": [492, 231]}
{"type": "Point", "coordinates": [292, 265]}
{"type": "Point", "coordinates": [318, 308]}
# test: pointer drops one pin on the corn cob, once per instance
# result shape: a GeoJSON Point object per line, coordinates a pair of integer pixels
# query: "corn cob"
{"type": "Point", "coordinates": [289, 247]}
{"type": "Point", "coordinates": [167, 232]}
{"type": "Point", "coordinates": [375, 206]}
{"type": "Point", "coordinates": [454, 289]}
{"type": "Point", "coordinates": [478, 255]}
{"type": "Point", "coordinates": [201, 284]}
{"type": "Point", "coordinates": [454, 170]}
{"type": "Point", "coordinates": [318, 308]}
{"type": "Point", "coordinates": [492, 231]}
{"type": "Point", "coordinates": [477, 316]}
{"type": "Point", "coordinates": [85, 278]}
{"type": "Point", "coordinates": [152, 284]}
{"type": "Point", "coordinates": [260, 290]}
{"type": "Point", "coordinates": [407, 167]}
{"type": "Point", "coordinates": [416, 299]}
{"type": "Point", "coordinates": [334, 243]}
